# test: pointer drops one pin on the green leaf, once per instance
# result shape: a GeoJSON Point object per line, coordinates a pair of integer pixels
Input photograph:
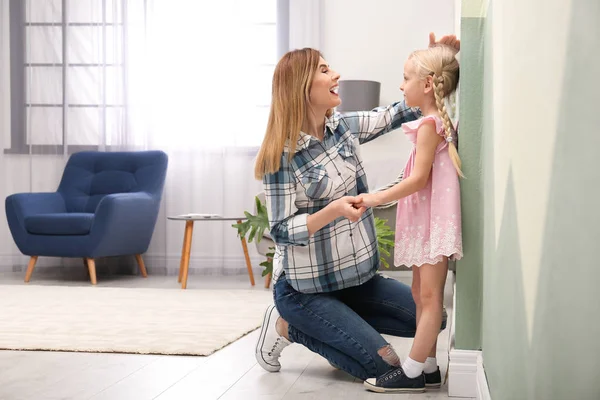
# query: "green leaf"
{"type": "Point", "coordinates": [385, 252]}
{"type": "Point", "coordinates": [268, 264]}
{"type": "Point", "coordinates": [242, 228]}
{"type": "Point", "coordinates": [255, 225]}
{"type": "Point", "coordinates": [385, 263]}
{"type": "Point", "coordinates": [385, 240]}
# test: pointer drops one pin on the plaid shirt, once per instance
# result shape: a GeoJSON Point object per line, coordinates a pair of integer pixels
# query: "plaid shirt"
{"type": "Point", "coordinates": [341, 254]}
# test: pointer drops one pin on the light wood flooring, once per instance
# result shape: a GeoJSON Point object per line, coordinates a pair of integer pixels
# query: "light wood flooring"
{"type": "Point", "coordinates": [231, 373]}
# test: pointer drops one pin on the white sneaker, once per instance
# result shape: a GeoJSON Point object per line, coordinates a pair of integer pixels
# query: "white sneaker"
{"type": "Point", "coordinates": [270, 343]}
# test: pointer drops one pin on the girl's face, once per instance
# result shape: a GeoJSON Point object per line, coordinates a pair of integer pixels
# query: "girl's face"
{"type": "Point", "coordinates": [323, 91]}
{"type": "Point", "coordinates": [415, 89]}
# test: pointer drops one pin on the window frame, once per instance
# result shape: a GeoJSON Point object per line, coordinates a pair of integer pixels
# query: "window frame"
{"type": "Point", "coordinates": [18, 110]}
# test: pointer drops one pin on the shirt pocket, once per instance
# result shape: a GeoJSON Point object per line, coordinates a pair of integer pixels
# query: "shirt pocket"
{"type": "Point", "coordinates": [346, 152]}
{"type": "Point", "coordinates": [317, 183]}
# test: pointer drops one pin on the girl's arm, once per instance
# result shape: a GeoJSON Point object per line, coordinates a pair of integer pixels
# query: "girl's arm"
{"type": "Point", "coordinates": [427, 142]}
{"type": "Point", "coordinates": [388, 186]}
{"type": "Point", "coordinates": [368, 125]}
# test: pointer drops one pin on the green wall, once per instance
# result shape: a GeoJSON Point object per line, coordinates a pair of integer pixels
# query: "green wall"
{"type": "Point", "coordinates": [530, 203]}
{"type": "Point", "coordinates": [469, 271]}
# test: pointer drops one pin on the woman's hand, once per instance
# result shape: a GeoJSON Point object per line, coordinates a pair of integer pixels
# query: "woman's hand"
{"type": "Point", "coordinates": [368, 200]}
{"type": "Point", "coordinates": [347, 207]}
{"type": "Point", "coordinates": [448, 40]}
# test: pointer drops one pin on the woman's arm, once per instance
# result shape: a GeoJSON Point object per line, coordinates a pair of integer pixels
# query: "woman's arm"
{"type": "Point", "coordinates": [342, 207]}
{"type": "Point", "coordinates": [368, 125]}
{"type": "Point", "coordinates": [288, 227]}
{"type": "Point", "coordinates": [427, 142]}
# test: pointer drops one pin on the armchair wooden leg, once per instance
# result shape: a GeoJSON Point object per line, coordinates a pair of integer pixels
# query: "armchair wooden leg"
{"type": "Point", "coordinates": [92, 269]}
{"type": "Point", "coordinates": [140, 262]}
{"type": "Point", "coordinates": [30, 268]}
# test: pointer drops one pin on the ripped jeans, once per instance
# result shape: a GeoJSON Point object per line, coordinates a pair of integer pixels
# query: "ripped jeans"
{"type": "Point", "coordinates": [345, 326]}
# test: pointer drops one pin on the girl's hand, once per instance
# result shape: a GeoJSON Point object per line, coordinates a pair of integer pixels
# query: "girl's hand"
{"type": "Point", "coordinates": [448, 40]}
{"type": "Point", "coordinates": [368, 200]}
{"type": "Point", "coordinates": [347, 206]}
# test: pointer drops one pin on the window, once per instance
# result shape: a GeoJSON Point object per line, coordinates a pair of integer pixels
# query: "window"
{"type": "Point", "coordinates": [67, 68]}
{"type": "Point", "coordinates": [91, 72]}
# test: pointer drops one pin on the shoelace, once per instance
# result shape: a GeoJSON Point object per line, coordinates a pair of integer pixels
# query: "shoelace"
{"type": "Point", "coordinates": [392, 374]}
{"type": "Point", "coordinates": [276, 346]}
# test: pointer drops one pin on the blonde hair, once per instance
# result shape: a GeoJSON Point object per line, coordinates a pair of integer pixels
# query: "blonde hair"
{"type": "Point", "coordinates": [290, 106]}
{"type": "Point", "coordinates": [440, 62]}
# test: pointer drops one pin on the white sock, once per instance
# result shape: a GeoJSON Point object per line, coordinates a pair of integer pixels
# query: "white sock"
{"type": "Point", "coordinates": [430, 365]}
{"type": "Point", "coordinates": [412, 368]}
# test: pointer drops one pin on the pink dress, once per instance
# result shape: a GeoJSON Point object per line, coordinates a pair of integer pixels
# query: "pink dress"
{"type": "Point", "coordinates": [428, 225]}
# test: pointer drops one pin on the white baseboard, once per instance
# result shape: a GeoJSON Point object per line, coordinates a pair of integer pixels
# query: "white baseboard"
{"type": "Point", "coordinates": [466, 374]}
{"type": "Point", "coordinates": [483, 390]}
{"type": "Point", "coordinates": [462, 375]}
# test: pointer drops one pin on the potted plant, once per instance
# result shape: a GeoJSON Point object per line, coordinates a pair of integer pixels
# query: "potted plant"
{"type": "Point", "coordinates": [255, 225]}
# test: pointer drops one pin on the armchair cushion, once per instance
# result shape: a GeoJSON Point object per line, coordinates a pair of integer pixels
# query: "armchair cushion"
{"type": "Point", "coordinates": [59, 223]}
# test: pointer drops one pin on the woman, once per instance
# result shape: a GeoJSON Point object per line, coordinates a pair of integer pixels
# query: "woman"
{"type": "Point", "coordinates": [327, 292]}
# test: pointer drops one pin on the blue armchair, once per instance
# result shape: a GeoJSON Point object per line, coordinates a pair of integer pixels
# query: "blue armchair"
{"type": "Point", "coordinates": [106, 205]}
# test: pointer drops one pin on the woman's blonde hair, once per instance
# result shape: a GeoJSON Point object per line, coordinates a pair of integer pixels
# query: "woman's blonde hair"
{"type": "Point", "coordinates": [290, 105]}
{"type": "Point", "coordinates": [440, 62]}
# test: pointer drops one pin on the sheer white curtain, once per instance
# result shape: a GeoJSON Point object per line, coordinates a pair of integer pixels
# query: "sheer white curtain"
{"type": "Point", "coordinates": [192, 78]}
{"type": "Point", "coordinates": [210, 69]}
{"type": "Point", "coordinates": [305, 23]}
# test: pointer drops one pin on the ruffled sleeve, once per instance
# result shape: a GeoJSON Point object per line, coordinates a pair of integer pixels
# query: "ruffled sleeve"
{"type": "Point", "coordinates": [411, 128]}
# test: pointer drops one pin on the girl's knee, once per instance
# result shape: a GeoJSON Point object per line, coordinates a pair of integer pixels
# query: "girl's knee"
{"type": "Point", "coordinates": [430, 296]}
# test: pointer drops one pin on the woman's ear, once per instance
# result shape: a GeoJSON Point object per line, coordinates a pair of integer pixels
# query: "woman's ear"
{"type": "Point", "coordinates": [428, 83]}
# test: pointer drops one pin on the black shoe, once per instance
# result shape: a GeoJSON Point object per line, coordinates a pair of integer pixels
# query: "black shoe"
{"type": "Point", "coordinates": [395, 381]}
{"type": "Point", "coordinates": [433, 380]}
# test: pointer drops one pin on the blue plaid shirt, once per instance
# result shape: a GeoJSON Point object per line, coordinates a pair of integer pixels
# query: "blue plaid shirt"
{"type": "Point", "coordinates": [341, 254]}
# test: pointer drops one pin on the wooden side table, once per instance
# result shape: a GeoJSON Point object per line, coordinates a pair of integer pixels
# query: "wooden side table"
{"type": "Point", "coordinates": [187, 244]}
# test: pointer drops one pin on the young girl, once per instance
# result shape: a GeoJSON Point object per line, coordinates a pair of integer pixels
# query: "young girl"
{"type": "Point", "coordinates": [428, 224]}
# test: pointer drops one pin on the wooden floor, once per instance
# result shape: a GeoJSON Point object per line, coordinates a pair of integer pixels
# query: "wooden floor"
{"type": "Point", "coordinates": [231, 373]}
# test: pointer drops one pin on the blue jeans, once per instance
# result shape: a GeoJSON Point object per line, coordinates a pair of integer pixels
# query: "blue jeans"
{"type": "Point", "coordinates": [345, 326]}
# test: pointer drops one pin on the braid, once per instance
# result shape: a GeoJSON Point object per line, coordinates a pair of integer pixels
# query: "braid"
{"type": "Point", "coordinates": [438, 90]}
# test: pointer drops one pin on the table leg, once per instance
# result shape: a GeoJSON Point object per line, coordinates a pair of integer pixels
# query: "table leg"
{"type": "Point", "coordinates": [268, 277]}
{"type": "Point", "coordinates": [248, 264]}
{"type": "Point", "coordinates": [182, 262]}
{"type": "Point", "coordinates": [185, 254]}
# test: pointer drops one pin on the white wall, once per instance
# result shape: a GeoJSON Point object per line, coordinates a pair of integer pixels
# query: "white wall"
{"type": "Point", "coordinates": [371, 40]}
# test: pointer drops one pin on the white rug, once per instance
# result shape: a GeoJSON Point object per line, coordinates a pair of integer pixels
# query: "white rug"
{"type": "Point", "coordinates": [127, 320]}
